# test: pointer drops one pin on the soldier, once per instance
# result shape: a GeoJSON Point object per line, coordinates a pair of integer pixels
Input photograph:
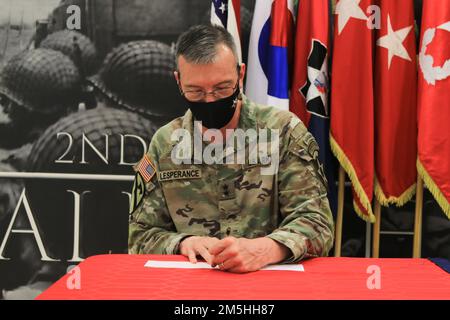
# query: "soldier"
{"type": "Point", "coordinates": [232, 215]}
{"type": "Point", "coordinates": [37, 87]}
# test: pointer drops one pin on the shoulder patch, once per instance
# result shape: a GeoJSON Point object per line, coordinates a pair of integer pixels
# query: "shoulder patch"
{"type": "Point", "coordinates": [294, 122]}
{"type": "Point", "coordinates": [298, 129]}
{"type": "Point", "coordinates": [306, 147]}
{"type": "Point", "coordinates": [311, 145]}
{"type": "Point", "coordinates": [146, 168]}
{"type": "Point", "coordinates": [138, 192]}
{"type": "Point", "coordinates": [312, 148]}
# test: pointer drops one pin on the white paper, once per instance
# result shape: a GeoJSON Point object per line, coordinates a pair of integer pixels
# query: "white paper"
{"type": "Point", "coordinates": [285, 267]}
{"type": "Point", "coordinates": [204, 265]}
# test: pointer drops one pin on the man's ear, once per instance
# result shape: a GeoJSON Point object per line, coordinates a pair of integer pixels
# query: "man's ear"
{"type": "Point", "coordinates": [242, 70]}
{"type": "Point", "coordinates": [177, 76]}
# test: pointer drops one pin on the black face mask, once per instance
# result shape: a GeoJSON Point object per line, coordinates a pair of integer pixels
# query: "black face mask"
{"type": "Point", "coordinates": [216, 114]}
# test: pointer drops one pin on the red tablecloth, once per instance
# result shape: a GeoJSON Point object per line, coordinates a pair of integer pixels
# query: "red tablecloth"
{"type": "Point", "coordinates": [125, 277]}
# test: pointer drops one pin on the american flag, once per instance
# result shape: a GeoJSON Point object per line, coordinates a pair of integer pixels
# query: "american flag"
{"type": "Point", "coordinates": [146, 168]}
{"type": "Point", "coordinates": [226, 13]}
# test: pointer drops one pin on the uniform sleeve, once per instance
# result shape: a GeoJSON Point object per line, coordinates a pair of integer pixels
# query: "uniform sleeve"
{"type": "Point", "coordinates": [306, 226]}
{"type": "Point", "coordinates": [151, 229]}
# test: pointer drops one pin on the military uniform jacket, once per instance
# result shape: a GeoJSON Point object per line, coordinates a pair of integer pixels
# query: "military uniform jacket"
{"type": "Point", "coordinates": [289, 206]}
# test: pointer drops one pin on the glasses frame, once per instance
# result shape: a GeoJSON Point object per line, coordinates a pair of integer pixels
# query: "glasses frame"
{"type": "Point", "coordinates": [213, 93]}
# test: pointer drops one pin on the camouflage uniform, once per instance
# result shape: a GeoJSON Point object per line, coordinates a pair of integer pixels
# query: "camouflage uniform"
{"type": "Point", "coordinates": [290, 207]}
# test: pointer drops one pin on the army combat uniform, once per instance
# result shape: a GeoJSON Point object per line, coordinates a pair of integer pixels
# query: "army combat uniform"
{"type": "Point", "coordinates": [219, 200]}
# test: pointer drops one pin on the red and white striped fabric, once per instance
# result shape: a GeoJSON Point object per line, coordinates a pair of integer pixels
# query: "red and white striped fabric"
{"type": "Point", "coordinates": [227, 13]}
{"type": "Point", "coordinates": [146, 168]}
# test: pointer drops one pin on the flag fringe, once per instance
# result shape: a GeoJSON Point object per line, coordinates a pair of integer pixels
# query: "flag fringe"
{"type": "Point", "coordinates": [348, 167]}
{"type": "Point", "coordinates": [363, 215]}
{"type": "Point", "coordinates": [434, 189]}
{"type": "Point", "coordinates": [399, 201]}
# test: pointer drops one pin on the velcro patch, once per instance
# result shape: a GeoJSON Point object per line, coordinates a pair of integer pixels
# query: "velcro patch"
{"type": "Point", "coordinates": [312, 147]}
{"type": "Point", "coordinates": [294, 122]}
{"type": "Point", "coordinates": [138, 192]}
{"type": "Point", "coordinates": [168, 175]}
{"type": "Point", "coordinates": [146, 168]}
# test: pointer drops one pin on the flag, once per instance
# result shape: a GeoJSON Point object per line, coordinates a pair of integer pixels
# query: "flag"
{"type": "Point", "coordinates": [146, 168]}
{"type": "Point", "coordinates": [352, 120]}
{"type": "Point", "coordinates": [310, 81]}
{"type": "Point", "coordinates": [395, 103]}
{"type": "Point", "coordinates": [270, 53]}
{"type": "Point", "coordinates": [226, 13]}
{"type": "Point", "coordinates": [433, 162]}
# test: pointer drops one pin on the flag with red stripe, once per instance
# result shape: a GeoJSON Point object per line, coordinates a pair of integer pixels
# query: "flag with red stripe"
{"type": "Point", "coordinates": [146, 168]}
{"type": "Point", "coordinates": [227, 13]}
{"type": "Point", "coordinates": [433, 101]}
{"type": "Point", "coordinates": [310, 81]}
{"type": "Point", "coordinates": [395, 103]}
{"type": "Point", "coordinates": [352, 101]}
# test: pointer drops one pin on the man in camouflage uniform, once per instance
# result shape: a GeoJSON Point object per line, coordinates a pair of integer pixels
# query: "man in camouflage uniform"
{"type": "Point", "coordinates": [229, 214]}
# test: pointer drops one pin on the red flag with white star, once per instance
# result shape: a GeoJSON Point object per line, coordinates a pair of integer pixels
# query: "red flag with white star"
{"type": "Point", "coordinates": [433, 101]}
{"type": "Point", "coordinates": [352, 103]}
{"type": "Point", "coordinates": [395, 103]}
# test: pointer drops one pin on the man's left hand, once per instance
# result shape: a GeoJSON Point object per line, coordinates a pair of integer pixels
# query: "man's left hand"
{"type": "Point", "coordinates": [241, 255]}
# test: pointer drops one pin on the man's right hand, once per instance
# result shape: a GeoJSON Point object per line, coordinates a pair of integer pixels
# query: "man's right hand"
{"type": "Point", "coordinates": [197, 246]}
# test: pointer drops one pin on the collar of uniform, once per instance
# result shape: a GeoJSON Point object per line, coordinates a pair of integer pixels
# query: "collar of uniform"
{"type": "Point", "coordinates": [247, 120]}
{"type": "Point", "coordinates": [188, 121]}
{"type": "Point", "coordinates": [188, 124]}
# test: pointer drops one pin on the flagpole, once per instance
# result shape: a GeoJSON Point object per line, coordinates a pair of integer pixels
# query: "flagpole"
{"type": "Point", "coordinates": [417, 244]}
{"type": "Point", "coordinates": [376, 230]}
{"type": "Point", "coordinates": [340, 213]}
{"type": "Point", "coordinates": [368, 238]}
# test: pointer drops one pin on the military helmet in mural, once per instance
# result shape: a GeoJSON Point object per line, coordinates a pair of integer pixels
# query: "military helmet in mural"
{"type": "Point", "coordinates": [138, 76]}
{"type": "Point", "coordinates": [41, 80]}
{"type": "Point", "coordinates": [95, 125]}
{"type": "Point", "coordinates": [76, 46]}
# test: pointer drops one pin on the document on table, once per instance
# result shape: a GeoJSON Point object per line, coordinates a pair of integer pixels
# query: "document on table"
{"type": "Point", "coordinates": [204, 265]}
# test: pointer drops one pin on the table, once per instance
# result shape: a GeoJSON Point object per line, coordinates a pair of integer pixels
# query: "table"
{"type": "Point", "coordinates": [108, 277]}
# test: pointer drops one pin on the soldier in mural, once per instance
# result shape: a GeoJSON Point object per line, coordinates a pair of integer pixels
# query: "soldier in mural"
{"type": "Point", "coordinates": [80, 49]}
{"type": "Point", "coordinates": [77, 47]}
{"type": "Point", "coordinates": [137, 76]}
{"type": "Point", "coordinates": [37, 88]}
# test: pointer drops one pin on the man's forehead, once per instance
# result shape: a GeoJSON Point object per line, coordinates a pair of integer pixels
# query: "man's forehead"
{"type": "Point", "coordinates": [206, 74]}
{"type": "Point", "coordinates": [223, 55]}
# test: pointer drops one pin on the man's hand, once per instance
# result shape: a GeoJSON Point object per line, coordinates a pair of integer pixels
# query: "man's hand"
{"type": "Point", "coordinates": [197, 246]}
{"type": "Point", "coordinates": [242, 255]}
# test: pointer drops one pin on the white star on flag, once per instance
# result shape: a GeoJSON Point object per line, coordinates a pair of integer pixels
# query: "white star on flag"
{"type": "Point", "coordinates": [222, 7]}
{"type": "Point", "coordinates": [223, 13]}
{"type": "Point", "coordinates": [393, 42]}
{"type": "Point", "coordinates": [346, 9]}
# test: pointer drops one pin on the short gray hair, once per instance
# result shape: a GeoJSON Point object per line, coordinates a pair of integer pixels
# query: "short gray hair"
{"type": "Point", "coordinates": [199, 43]}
